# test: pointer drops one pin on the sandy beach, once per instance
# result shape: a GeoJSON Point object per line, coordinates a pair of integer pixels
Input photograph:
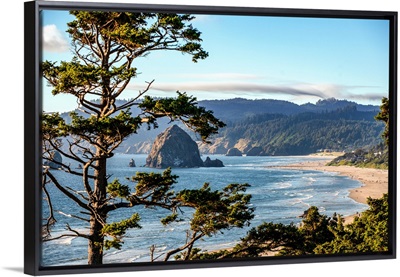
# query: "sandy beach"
{"type": "Point", "coordinates": [374, 181]}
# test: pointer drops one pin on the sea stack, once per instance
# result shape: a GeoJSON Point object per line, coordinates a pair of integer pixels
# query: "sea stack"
{"type": "Point", "coordinates": [174, 148]}
{"type": "Point", "coordinates": [213, 163]}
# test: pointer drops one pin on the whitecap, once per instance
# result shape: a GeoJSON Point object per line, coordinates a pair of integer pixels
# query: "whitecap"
{"type": "Point", "coordinates": [284, 185]}
{"type": "Point", "coordinates": [65, 241]}
{"type": "Point", "coordinates": [64, 214]}
{"type": "Point", "coordinates": [299, 201]}
{"type": "Point", "coordinates": [134, 258]}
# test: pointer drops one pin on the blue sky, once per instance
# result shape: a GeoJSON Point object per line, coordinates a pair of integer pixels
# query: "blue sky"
{"type": "Point", "coordinates": [296, 59]}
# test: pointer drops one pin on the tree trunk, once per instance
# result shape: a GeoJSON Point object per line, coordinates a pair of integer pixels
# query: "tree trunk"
{"type": "Point", "coordinates": [98, 218]}
{"type": "Point", "coordinates": [96, 241]}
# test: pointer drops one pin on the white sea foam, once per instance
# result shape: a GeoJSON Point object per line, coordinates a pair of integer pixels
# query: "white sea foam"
{"type": "Point", "coordinates": [64, 241]}
{"type": "Point", "coordinates": [300, 202]}
{"type": "Point", "coordinates": [309, 180]}
{"type": "Point", "coordinates": [169, 229]}
{"type": "Point", "coordinates": [64, 214]}
{"type": "Point", "coordinates": [135, 258]}
{"type": "Point", "coordinates": [284, 185]}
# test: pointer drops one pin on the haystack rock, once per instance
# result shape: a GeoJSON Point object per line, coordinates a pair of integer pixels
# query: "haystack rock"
{"type": "Point", "coordinates": [174, 148]}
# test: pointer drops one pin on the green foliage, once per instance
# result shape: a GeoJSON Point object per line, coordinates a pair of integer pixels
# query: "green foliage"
{"type": "Point", "coordinates": [367, 233]}
{"type": "Point", "coordinates": [383, 115]}
{"type": "Point", "coordinates": [110, 130]}
{"type": "Point", "coordinates": [117, 230]}
{"type": "Point", "coordinates": [375, 157]}
{"type": "Point", "coordinates": [315, 229]}
{"type": "Point", "coordinates": [116, 189]}
{"type": "Point", "coordinates": [317, 234]}
{"type": "Point", "coordinates": [69, 76]}
{"type": "Point", "coordinates": [217, 210]}
{"type": "Point", "coordinates": [105, 45]}
{"type": "Point", "coordinates": [153, 186]}
{"type": "Point", "coordinates": [214, 211]}
{"type": "Point", "coordinates": [54, 126]}
{"type": "Point", "coordinates": [169, 218]}
{"type": "Point", "coordinates": [139, 32]}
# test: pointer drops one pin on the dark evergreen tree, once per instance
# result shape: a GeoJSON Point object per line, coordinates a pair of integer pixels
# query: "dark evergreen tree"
{"type": "Point", "coordinates": [383, 115]}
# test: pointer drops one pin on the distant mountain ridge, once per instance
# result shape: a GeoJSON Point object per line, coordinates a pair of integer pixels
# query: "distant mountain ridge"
{"type": "Point", "coordinates": [274, 127]}
{"type": "Point", "coordinates": [239, 108]}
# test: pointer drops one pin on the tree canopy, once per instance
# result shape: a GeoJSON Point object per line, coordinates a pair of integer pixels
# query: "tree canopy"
{"type": "Point", "coordinates": [104, 47]}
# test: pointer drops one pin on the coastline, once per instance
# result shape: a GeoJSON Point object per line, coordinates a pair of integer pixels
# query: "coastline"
{"type": "Point", "coordinates": [374, 181]}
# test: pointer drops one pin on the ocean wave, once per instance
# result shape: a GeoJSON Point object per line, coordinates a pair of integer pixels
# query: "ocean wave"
{"type": "Point", "coordinates": [309, 180]}
{"type": "Point", "coordinates": [64, 214]}
{"type": "Point", "coordinates": [301, 201]}
{"type": "Point", "coordinates": [135, 258]}
{"type": "Point", "coordinates": [63, 241]}
{"type": "Point", "coordinates": [169, 229]}
{"type": "Point", "coordinates": [309, 196]}
{"type": "Point", "coordinates": [284, 185]}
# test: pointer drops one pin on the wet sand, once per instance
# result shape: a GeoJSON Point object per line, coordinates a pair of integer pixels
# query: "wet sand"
{"type": "Point", "coordinates": [374, 181]}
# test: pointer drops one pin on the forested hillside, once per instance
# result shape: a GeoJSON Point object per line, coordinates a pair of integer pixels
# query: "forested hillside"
{"type": "Point", "coordinates": [275, 127]}
{"type": "Point", "coordinates": [232, 110]}
{"type": "Point", "coordinates": [345, 129]}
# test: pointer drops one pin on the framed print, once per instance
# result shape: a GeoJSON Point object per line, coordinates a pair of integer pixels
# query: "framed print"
{"type": "Point", "coordinates": [171, 136]}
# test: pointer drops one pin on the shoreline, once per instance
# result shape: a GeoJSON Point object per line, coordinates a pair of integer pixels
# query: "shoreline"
{"type": "Point", "coordinates": [374, 182]}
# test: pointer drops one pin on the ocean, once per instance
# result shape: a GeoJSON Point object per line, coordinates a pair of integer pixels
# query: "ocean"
{"type": "Point", "coordinates": [278, 195]}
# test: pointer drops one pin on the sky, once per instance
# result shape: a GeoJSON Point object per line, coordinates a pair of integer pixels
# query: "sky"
{"type": "Point", "coordinates": [295, 59]}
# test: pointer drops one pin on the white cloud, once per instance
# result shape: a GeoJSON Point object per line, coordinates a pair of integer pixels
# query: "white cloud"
{"type": "Point", "coordinates": [252, 90]}
{"type": "Point", "coordinates": [54, 40]}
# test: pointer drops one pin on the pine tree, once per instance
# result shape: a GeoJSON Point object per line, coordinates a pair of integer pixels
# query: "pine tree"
{"type": "Point", "coordinates": [105, 45]}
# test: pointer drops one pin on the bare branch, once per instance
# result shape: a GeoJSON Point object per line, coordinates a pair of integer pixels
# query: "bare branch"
{"type": "Point", "coordinates": [65, 191]}
{"type": "Point", "coordinates": [60, 237]}
{"type": "Point", "coordinates": [75, 234]}
{"type": "Point", "coordinates": [130, 103]}
{"type": "Point", "coordinates": [190, 243]}
{"type": "Point", "coordinates": [84, 104]}
{"type": "Point", "coordinates": [51, 219]}
{"type": "Point", "coordinates": [78, 193]}
{"type": "Point", "coordinates": [135, 201]}
{"type": "Point", "coordinates": [72, 156]}
{"type": "Point", "coordinates": [75, 216]}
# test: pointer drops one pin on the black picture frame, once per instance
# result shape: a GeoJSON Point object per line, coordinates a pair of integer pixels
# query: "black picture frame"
{"type": "Point", "coordinates": [32, 135]}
